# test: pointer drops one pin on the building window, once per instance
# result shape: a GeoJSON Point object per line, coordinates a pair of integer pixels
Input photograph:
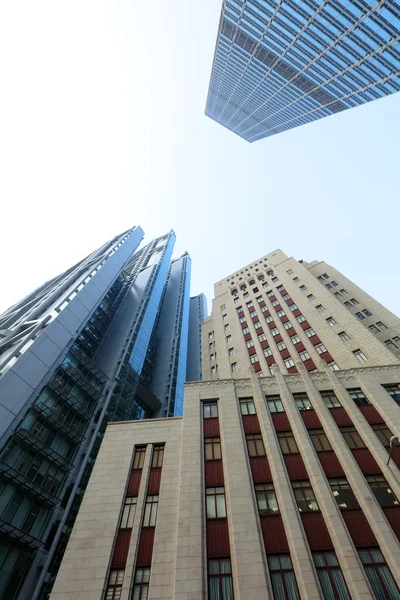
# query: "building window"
{"type": "Point", "coordinates": [328, 285]}
{"type": "Point", "coordinates": [213, 370]}
{"type": "Point", "coordinates": [320, 308]}
{"type": "Point", "coordinates": [212, 448]}
{"type": "Point", "coordinates": [359, 355]}
{"type": "Point", "coordinates": [311, 297]}
{"type": "Point", "coordinates": [352, 437]}
{"type": "Point", "coordinates": [330, 576]}
{"type": "Point", "coordinates": [150, 511]}
{"type": "Point", "coordinates": [354, 301]}
{"type": "Point", "coordinates": [255, 445]}
{"type": "Point", "coordinates": [212, 357]}
{"type": "Point", "coordinates": [220, 579]}
{"type": "Point", "coordinates": [309, 332]}
{"type": "Point", "coordinates": [275, 302]}
{"type": "Point", "coordinates": [269, 319]}
{"type": "Point", "coordinates": [383, 433]}
{"type": "Point", "coordinates": [300, 319]}
{"type": "Point", "coordinates": [343, 291]}
{"type": "Point", "coordinates": [320, 348]}
{"type": "Point", "coordinates": [289, 363]}
{"type": "Point", "coordinates": [253, 359]}
{"type": "Point", "coordinates": [227, 327]}
{"type": "Point", "coordinates": [343, 493]}
{"type": "Point", "coordinates": [239, 309]}
{"type": "Point", "coordinates": [141, 584]}
{"type": "Point", "coordinates": [391, 345]}
{"type": "Point", "coordinates": [281, 346]}
{"type": "Point", "coordinates": [236, 301]}
{"type": "Point", "coordinates": [274, 404]}
{"type": "Point", "coordinates": [211, 335]}
{"type": "Point", "coordinates": [329, 397]}
{"type": "Point", "coordinates": [246, 295]}
{"type": "Point", "coordinates": [225, 317]}
{"type": "Point", "coordinates": [287, 442]}
{"type": "Point", "coordinates": [303, 288]}
{"type": "Point", "coordinates": [381, 490]}
{"type": "Point", "coordinates": [367, 313]}
{"type": "Point", "coordinates": [334, 283]}
{"type": "Point", "coordinates": [249, 343]}
{"type": "Point", "coordinates": [275, 331]}
{"type": "Point", "coordinates": [253, 314]}
{"type": "Point", "coordinates": [293, 307]}
{"type": "Point", "coordinates": [358, 396]}
{"type": "Point", "coordinates": [249, 304]}
{"type": "Point", "coordinates": [333, 366]}
{"type": "Point", "coordinates": [245, 330]}
{"type": "Point", "coordinates": [319, 440]}
{"type": "Point", "coordinates": [304, 355]}
{"type": "Point", "coordinates": [228, 339]}
{"type": "Point", "coordinates": [393, 389]}
{"type": "Point", "coordinates": [270, 293]}
{"type": "Point", "coordinates": [267, 352]}
{"type": "Point", "coordinates": [286, 297]}
{"type": "Point", "coordinates": [379, 575]}
{"type": "Point", "coordinates": [343, 336]}
{"type": "Point", "coordinates": [281, 313]}
{"type": "Point", "coordinates": [231, 351]}
{"type": "Point", "coordinates": [138, 460]}
{"type": "Point", "coordinates": [266, 499]}
{"type": "Point", "coordinates": [337, 294]}
{"type": "Point", "coordinates": [360, 316]}
{"type": "Point", "coordinates": [114, 586]}
{"type": "Point", "coordinates": [396, 339]}
{"type": "Point", "coordinates": [242, 319]}
{"type": "Point", "coordinates": [255, 289]}
{"type": "Point", "coordinates": [381, 325]}
{"type": "Point", "coordinates": [215, 502]}
{"type": "Point", "coordinates": [262, 337]}
{"type": "Point", "coordinates": [128, 514]}
{"type": "Point", "coordinates": [257, 325]}
{"type": "Point", "coordinates": [247, 406]}
{"type": "Point", "coordinates": [331, 321]}
{"type": "Point", "coordinates": [348, 304]}
{"type": "Point", "coordinates": [234, 367]}
{"type": "Point", "coordinates": [210, 410]}
{"type": "Point", "coordinates": [304, 495]}
{"type": "Point", "coordinates": [283, 579]}
{"type": "Point", "coordinates": [302, 401]}
{"type": "Point", "coordinates": [287, 325]}
{"type": "Point", "coordinates": [275, 280]}
{"type": "Point", "coordinates": [296, 279]}
{"type": "Point", "coordinates": [280, 288]}
{"type": "Point", "coordinates": [158, 456]}
{"type": "Point", "coordinates": [264, 309]}
{"type": "Point", "coordinates": [212, 345]}
{"type": "Point", "coordinates": [265, 284]}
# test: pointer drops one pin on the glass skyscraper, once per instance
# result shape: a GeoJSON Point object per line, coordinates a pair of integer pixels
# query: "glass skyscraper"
{"type": "Point", "coordinates": [104, 341]}
{"type": "Point", "coordinates": [278, 65]}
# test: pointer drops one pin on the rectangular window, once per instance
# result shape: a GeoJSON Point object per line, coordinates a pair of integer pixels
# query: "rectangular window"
{"type": "Point", "coordinates": [242, 319]}
{"type": "Point", "coordinates": [320, 348]}
{"type": "Point", "coordinates": [288, 325]}
{"type": "Point", "coordinates": [231, 351]}
{"type": "Point", "coordinates": [212, 345]}
{"type": "Point", "coordinates": [250, 343]}
{"type": "Point", "coordinates": [210, 409]}
{"type": "Point", "coordinates": [274, 404]}
{"type": "Point", "coordinates": [267, 352]}
{"type": "Point", "coordinates": [227, 327]}
{"type": "Point", "coordinates": [381, 490]}
{"type": "Point", "coordinates": [239, 309]}
{"type": "Point", "coordinates": [281, 346]}
{"type": "Point", "coordinates": [302, 401]}
{"type": "Point", "coordinates": [253, 313]}
{"type": "Point", "coordinates": [304, 355]}
{"type": "Point", "coordinates": [247, 406]}
{"type": "Point", "coordinates": [212, 357]}
{"type": "Point", "coordinates": [228, 339]}
{"type": "Point", "coordinates": [393, 389]}
{"type": "Point", "coordinates": [158, 456]}
{"type": "Point", "coordinates": [358, 396]}
{"type": "Point", "coordinates": [286, 297]}
{"type": "Point", "coordinates": [236, 301]}
{"type": "Point", "coordinates": [212, 448]}
{"type": "Point", "coordinates": [352, 437]}
{"type": "Point", "coordinates": [270, 293]}
{"type": "Point", "coordinates": [300, 319]}
{"type": "Point", "coordinates": [287, 442]}
{"type": "Point", "coordinates": [234, 367]}
{"type": "Point", "coordinates": [304, 495]}
{"type": "Point", "coordinates": [296, 279]}
{"type": "Point", "coordinates": [328, 285]}
{"type": "Point", "coordinates": [245, 330]}
{"type": "Point", "coordinates": [275, 331]}
{"type": "Point", "coordinates": [391, 345]}
{"type": "Point", "coordinates": [331, 321]}
{"type": "Point", "coordinates": [138, 460]}
{"type": "Point", "coordinates": [275, 280]}
{"type": "Point", "coordinates": [114, 586]}
{"type": "Point", "coordinates": [213, 370]}
{"type": "Point", "coordinates": [283, 579]}
{"type": "Point", "coordinates": [215, 503]}
{"type": "Point", "coordinates": [381, 325]}
{"type": "Point", "coordinates": [141, 584]}
{"type": "Point", "coordinates": [128, 514]}
{"type": "Point", "coordinates": [334, 283]}
{"type": "Point", "coordinates": [249, 304]}
{"type": "Point", "coordinates": [265, 284]}
{"type": "Point", "coordinates": [293, 307]}
{"type": "Point", "coordinates": [253, 359]}
{"type": "Point", "coordinates": [280, 288]}
{"type": "Point", "coordinates": [303, 288]}
{"type": "Point", "coordinates": [211, 335]}
{"type": "Point", "coordinates": [150, 511]}
{"type": "Point", "coordinates": [359, 355]}
{"type": "Point", "coordinates": [257, 325]}
{"type": "Point", "coordinates": [343, 493]}
{"type": "Point", "coordinates": [309, 332]}
{"type": "Point", "coordinates": [383, 433]}
{"type": "Point", "coordinates": [311, 297]}
{"type": "Point", "coordinates": [379, 575]}
{"type": "Point", "coordinates": [348, 304]}
{"type": "Point", "coordinates": [319, 440]}
{"type": "Point", "coordinates": [330, 576]}
{"type": "Point", "coordinates": [343, 336]}
{"type": "Point", "coordinates": [360, 316]}
{"type": "Point", "coordinates": [264, 309]}
{"type": "Point", "coordinates": [259, 299]}
{"type": "Point", "coordinates": [354, 301]}
{"type": "Point", "coordinates": [266, 499]}
{"type": "Point", "coordinates": [275, 302]}
{"type": "Point", "coordinates": [225, 317]}
{"type": "Point", "coordinates": [333, 366]}
{"type": "Point", "coordinates": [289, 363]}
{"type": "Point", "coordinates": [269, 319]}
{"type": "Point", "coordinates": [343, 291]}
{"type": "Point", "coordinates": [255, 445]}
{"type": "Point", "coordinates": [262, 337]}
{"type": "Point", "coordinates": [220, 579]}
{"type": "Point", "coordinates": [320, 308]}
{"type": "Point", "coordinates": [329, 397]}
{"type": "Point", "coordinates": [337, 294]}
{"type": "Point", "coordinates": [281, 313]}
{"type": "Point", "coordinates": [367, 313]}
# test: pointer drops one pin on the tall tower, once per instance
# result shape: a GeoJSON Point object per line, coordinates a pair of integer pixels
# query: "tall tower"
{"type": "Point", "coordinates": [72, 358]}
{"type": "Point", "coordinates": [281, 65]}
{"type": "Point", "coordinates": [197, 314]}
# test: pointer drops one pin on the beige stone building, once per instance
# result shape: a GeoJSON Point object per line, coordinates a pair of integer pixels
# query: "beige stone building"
{"type": "Point", "coordinates": [276, 482]}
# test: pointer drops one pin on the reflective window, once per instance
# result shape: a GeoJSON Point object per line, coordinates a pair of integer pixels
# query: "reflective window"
{"type": "Point", "coordinates": [319, 440]}
{"type": "Point", "coordinates": [215, 502]}
{"type": "Point", "coordinates": [128, 513]}
{"type": "Point", "coordinates": [255, 445]}
{"type": "Point", "coordinates": [379, 574]}
{"type": "Point", "coordinates": [381, 490]}
{"type": "Point", "coordinates": [212, 448]}
{"type": "Point", "coordinates": [220, 579]}
{"type": "Point", "coordinates": [343, 493]}
{"type": "Point", "coordinates": [150, 511]}
{"type": "Point", "coordinates": [141, 583]}
{"type": "Point", "coordinates": [329, 397]}
{"type": "Point", "coordinates": [304, 495]}
{"type": "Point", "coordinates": [275, 404]}
{"type": "Point", "coordinates": [210, 409]}
{"type": "Point", "coordinates": [330, 576]}
{"type": "Point", "coordinates": [283, 579]}
{"type": "Point", "coordinates": [266, 499]}
{"type": "Point", "coordinates": [287, 442]}
{"type": "Point", "coordinates": [247, 406]}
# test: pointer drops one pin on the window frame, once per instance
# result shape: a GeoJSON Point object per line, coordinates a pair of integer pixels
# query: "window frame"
{"type": "Point", "coordinates": [263, 493]}
{"type": "Point", "coordinates": [128, 512]}
{"type": "Point", "coordinates": [328, 568]}
{"type": "Point", "coordinates": [142, 584]}
{"type": "Point", "coordinates": [114, 586]}
{"type": "Point", "coordinates": [351, 431]}
{"type": "Point", "coordinates": [220, 577]}
{"type": "Point", "coordinates": [358, 397]}
{"type": "Point", "coordinates": [331, 393]}
{"type": "Point", "coordinates": [381, 497]}
{"type": "Point", "coordinates": [341, 484]}
{"type": "Point", "coordinates": [274, 400]}
{"type": "Point", "coordinates": [212, 448]}
{"type": "Point", "coordinates": [255, 445]}
{"type": "Point", "coordinates": [282, 573]}
{"type": "Point", "coordinates": [302, 495]}
{"type": "Point", "coordinates": [211, 404]}
{"type": "Point", "coordinates": [247, 407]}
{"type": "Point", "coordinates": [373, 565]}
{"type": "Point", "coordinates": [219, 507]}
{"type": "Point", "coordinates": [158, 455]}
{"type": "Point", "coordinates": [286, 447]}
{"type": "Point", "coordinates": [302, 401]}
{"type": "Point", "coordinates": [138, 457]}
{"type": "Point", "coordinates": [150, 510]}
{"type": "Point", "coordinates": [319, 440]}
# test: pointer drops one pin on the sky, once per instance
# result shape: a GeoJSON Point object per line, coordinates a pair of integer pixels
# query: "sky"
{"type": "Point", "coordinates": [102, 127]}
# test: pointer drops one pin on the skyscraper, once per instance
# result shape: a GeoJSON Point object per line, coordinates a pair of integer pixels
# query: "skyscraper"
{"type": "Point", "coordinates": [197, 314]}
{"type": "Point", "coordinates": [281, 65]}
{"type": "Point", "coordinates": [279, 481]}
{"type": "Point", "coordinates": [104, 341]}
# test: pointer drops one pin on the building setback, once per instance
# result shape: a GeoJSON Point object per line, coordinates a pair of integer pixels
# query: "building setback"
{"type": "Point", "coordinates": [281, 65]}
{"type": "Point", "coordinates": [104, 341]}
{"type": "Point", "coordinates": [197, 314]}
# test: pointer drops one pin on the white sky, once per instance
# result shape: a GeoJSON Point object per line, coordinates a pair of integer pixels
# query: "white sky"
{"type": "Point", "coordinates": [102, 126]}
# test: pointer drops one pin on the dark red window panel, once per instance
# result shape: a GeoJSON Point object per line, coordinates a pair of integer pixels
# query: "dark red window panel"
{"type": "Point", "coordinates": [359, 528]}
{"type": "Point", "coordinates": [270, 360]}
{"type": "Point", "coordinates": [392, 513]}
{"type": "Point", "coordinates": [244, 324]}
{"type": "Point", "coordinates": [264, 344]}
{"type": "Point", "coordinates": [259, 331]}
{"type": "Point", "coordinates": [291, 331]}
{"type": "Point", "coordinates": [274, 534]}
{"type": "Point", "coordinates": [283, 292]}
{"type": "Point", "coordinates": [290, 301]}
{"type": "Point", "coordinates": [255, 319]}
{"type": "Point", "coordinates": [326, 356]}
{"type": "Point", "coordinates": [257, 367]}
{"type": "Point", "coordinates": [272, 298]}
{"type": "Point", "coordinates": [314, 339]}
{"type": "Point", "coordinates": [121, 548]}
{"type": "Point", "coordinates": [371, 414]}
{"type": "Point", "coordinates": [154, 480]}
{"type": "Point", "coordinates": [340, 416]}
{"type": "Point", "coordinates": [295, 467]}
{"type": "Point", "coordinates": [146, 544]}
{"type": "Point", "coordinates": [300, 347]}
{"type": "Point", "coordinates": [297, 312]}
{"type": "Point", "coordinates": [280, 421]}
{"type": "Point", "coordinates": [271, 325]}
{"type": "Point", "coordinates": [240, 313]}
{"type": "Point", "coordinates": [251, 350]}
{"type": "Point", "coordinates": [310, 418]}
{"type": "Point", "coordinates": [262, 303]}
{"type": "Point", "coordinates": [247, 337]}
{"type": "Point", "coordinates": [284, 319]}
{"type": "Point", "coordinates": [316, 531]}
{"type": "Point", "coordinates": [278, 338]}
{"type": "Point", "coordinates": [305, 324]}
{"type": "Point", "coordinates": [251, 424]}
{"type": "Point", "coordinates": [285, 353]}
{"type": "Point", "coordinates": [260, 469]}
{"type": "Point", "coordinates": [267, 313]}
{"type": "Point", "coordinates": [211, 427]}
{"type": "Point", "coordinates": [134, 482]}
{"type": "Point", "coordinates": [309, 364]}
{"type": "Point", "coordinates": [330, 464]}
{"type": "Point", "coordinates": [278, 307]}
{"type": "Point", "coordinates": [292, 369]}
{"type": "Point", "coordinates": [214, 473]}
{"type": "Point", "coordinates": [366, 461]}
{"type": "Point", "coordinates": [217, 538]}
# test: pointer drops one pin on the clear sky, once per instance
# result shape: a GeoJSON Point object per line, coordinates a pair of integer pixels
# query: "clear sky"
{"type": "Point", "coordinates": [102, 126]}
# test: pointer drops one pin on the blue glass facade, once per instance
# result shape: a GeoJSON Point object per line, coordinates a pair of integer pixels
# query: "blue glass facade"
{"type": "Point", "coordinates": [278, 65]}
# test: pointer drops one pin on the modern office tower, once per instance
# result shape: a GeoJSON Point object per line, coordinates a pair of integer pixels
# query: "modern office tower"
{"type": "Point", "coordinates": [104, 341]}
{"type": "Point", "coordinates": [280, 310]}
{"type": "Point", "coordinates": [281, 65]}
{"type": "Point", "coordinates": [274, 487]}
{"type": "Point", "coordinates": [197, 314]}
